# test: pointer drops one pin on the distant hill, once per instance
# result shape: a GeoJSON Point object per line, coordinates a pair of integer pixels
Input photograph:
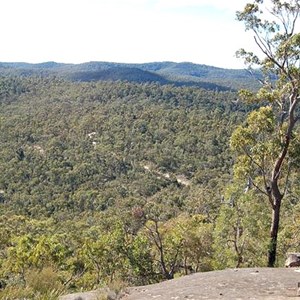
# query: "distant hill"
{"type": "Point", "coordinates": [118, 73]}
{"type": "Point", "coordinates": [185, 73]}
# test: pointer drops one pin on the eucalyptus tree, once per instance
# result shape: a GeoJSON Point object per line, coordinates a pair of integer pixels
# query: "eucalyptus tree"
{"type": "Point", "coordinates": [266, 143]}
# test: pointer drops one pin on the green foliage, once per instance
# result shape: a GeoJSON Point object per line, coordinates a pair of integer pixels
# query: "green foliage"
{"type": "Point", "coordinates": [91, 150]}
{"type": "Point", "coordinates": [104, 256]}
{"type": "Point", "coordinates": [239, 237]}
{"type": "Point", "coordinates": [197, 240]}
{"type": "Point", "coordinates": [267, 142]}
{"type": "Point", "coordinates": [40, 285]}
{"type": "Point", "coordinates": [45, 282]}
{"type": "Point", "coordinates": [105, 182]}
{"type": "Point", "coordinates": [106, 160]}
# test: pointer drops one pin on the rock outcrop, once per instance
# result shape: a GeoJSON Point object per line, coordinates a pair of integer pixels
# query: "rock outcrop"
{"type": "Point", "coordinates": [293, 260]}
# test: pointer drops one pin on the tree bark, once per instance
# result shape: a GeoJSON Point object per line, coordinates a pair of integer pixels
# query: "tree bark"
{"type": "Point", "coordinates": [275, 192]}
{"type": "Point", "coordinates": [274, 233]}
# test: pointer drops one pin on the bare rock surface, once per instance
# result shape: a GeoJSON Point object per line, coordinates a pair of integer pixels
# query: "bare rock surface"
{"type": "Point", "coordinates": [93, 295]}
{"type": "Point", "coordinates": [293, 260]}
{"type": "Point", "coordinates": [252, 283]}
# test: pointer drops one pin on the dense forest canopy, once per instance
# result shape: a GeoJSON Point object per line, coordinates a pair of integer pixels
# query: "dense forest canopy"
{"type": "Point", "coordinates": [116, 181]}
{"type": "Point", "coordinates": [80, 161]}
{"type": "Point", "coordinates": [60, 137]}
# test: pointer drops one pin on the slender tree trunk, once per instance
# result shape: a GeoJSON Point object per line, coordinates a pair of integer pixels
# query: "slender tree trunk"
{"type": "Point", "coordinates": [274, 233]}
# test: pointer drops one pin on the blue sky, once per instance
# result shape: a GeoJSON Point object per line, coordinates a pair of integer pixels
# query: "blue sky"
{"type": "Point", "coordinates": [75, 31]}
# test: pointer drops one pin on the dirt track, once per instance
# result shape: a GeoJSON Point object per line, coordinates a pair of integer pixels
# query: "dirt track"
{"type": "Point", "coordinates": [255, 283]}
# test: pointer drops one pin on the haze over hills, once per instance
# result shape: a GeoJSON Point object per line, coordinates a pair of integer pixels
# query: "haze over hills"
{"type": "Point", "coordinates": [185, 73]}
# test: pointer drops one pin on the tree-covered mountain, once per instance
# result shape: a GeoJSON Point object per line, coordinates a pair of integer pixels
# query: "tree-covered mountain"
{"type": "Point", "coordinates": [114, 130]}
{"type": "Point", "coordinates": [105, 182]}
{"type": "Point", "coordinates": [92, 173]}
{"type": "Point", "coordinates": [187, 74]}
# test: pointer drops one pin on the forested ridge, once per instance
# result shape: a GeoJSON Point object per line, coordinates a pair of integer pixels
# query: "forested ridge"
{"type": "Point", "coordinates": [105, 182]}
{"type": "Point", "coordinates": [179, 74]}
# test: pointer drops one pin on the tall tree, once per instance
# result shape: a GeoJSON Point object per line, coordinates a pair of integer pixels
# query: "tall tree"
{"type": "Point", "coordinates": [266, 143]}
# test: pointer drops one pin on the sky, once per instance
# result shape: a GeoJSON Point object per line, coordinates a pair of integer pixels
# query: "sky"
{"type": "Point", "coordinates": [129, 31]}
